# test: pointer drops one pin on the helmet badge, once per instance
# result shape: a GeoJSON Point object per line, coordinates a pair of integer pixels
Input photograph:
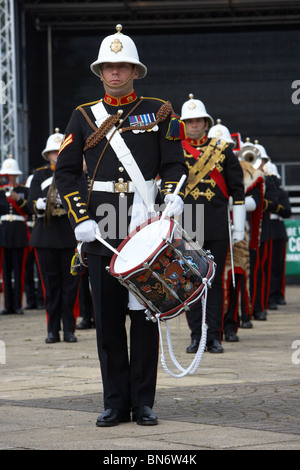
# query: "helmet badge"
{"type": "Point", "coordinates": [116, 46]}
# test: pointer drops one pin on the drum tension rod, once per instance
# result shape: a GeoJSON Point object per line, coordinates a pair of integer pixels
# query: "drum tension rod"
{"type": "Point", "coordinates": [157, 276]}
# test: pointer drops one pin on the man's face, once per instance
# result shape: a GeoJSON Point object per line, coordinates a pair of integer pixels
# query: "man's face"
{"type": "Point", "coordinates": [52, 156]}
{"type": "Point", "coordinates": [116, 77]}
{"type": "Point", "coordinates": [195, 128]}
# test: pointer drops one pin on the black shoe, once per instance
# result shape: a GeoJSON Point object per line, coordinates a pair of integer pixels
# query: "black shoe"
{"type": "Point", "coordinates": [7, 311]}
{"type": "Point", "coordinates": [272, 306]}
{"type": "Point", "coordinates": [193, 347]}
{"type": "Point", "coordinates": [144, 416]}
{"type": "Point", "coordinates": [19, 311]}
{"type": "Point", "coordinates": [281, 302]}
{"type": "Point", "coordinates": [261, 316]}
{"type": "Point", "coordinates": [215, 347]}
{"type": "Point", "coordinates": [30, 307]}
{"type": "Point", "coordinates": [112, 417]}
{"type": "Point", "coordinates": [40, 307]}
{"type": "Point", "coordinates": [52, 338]}
{"type": "Point", "coordinates": [85, 325]}
{"type": "Point", "coordinates": [70, 337]}
{"type": "Point", "coordinates": [231, 337]}
{"type": "Point", "coordinates": [246, 324]}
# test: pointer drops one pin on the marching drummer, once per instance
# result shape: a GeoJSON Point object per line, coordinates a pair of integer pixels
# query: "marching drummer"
{"type": "Point", "coordinates": [214, 175]}
{"type": "Point", "coordinates": [127, 141]}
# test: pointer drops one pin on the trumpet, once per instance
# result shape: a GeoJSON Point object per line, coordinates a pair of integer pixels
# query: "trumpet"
{"type": "Point", "coordinates": [251, 154]}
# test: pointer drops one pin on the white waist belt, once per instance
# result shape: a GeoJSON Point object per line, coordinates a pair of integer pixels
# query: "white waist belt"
{"type": "Point", "coordinates": [118, 187]}
{"type": "Point", "coordinates": [275, 217]}
{"type": "Point", "coordinates": [12, 217]}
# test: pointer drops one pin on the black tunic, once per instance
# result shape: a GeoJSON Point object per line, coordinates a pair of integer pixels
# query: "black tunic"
{"type": "Point", "coordinates": [153, 152]}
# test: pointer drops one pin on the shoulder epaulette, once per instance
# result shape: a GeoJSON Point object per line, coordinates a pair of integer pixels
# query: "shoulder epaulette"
{"type": "Point", "coordinates": [89, 104]}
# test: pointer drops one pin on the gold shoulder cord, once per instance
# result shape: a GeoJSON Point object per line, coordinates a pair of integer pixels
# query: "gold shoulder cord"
{"type": "Point", "coordinates": [203, 165]}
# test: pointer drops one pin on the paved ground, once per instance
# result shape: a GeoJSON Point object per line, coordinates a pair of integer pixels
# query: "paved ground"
{"type": "Point", "coordinates": [244, 399]}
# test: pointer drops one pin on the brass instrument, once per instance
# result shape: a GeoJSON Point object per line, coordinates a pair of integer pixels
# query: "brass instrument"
{"type": "Point", "coordinates": [251, 154]}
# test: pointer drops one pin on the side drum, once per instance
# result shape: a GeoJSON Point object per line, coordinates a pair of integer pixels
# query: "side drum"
{"type": "Point", "coordinates": [165, 270]}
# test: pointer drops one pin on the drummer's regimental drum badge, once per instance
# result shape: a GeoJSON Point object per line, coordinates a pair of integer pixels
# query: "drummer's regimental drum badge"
{"type": "Point", "coordinates": [165, 270]}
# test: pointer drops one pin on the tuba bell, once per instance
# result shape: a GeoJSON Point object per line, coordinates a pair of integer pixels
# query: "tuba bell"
{"type": "Point", "coordinates": [251, 154]}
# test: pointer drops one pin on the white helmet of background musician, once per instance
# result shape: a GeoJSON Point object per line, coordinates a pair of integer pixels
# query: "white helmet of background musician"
{"type": "Point", "coordinates": [262, 150]}
{"type": "Point", "coordinates": [221, 132]}
{"type": "Point", "coordinates": [193, 109]}
{"type": "Point", "coordinates": [118, 48]}
{"type": "Point", "coordinates": [10, 167]}
{"type": "Point", "coordinates": [53, 143]}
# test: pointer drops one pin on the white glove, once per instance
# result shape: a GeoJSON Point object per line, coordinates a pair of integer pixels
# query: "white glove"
{"type": "Point", "coordinates": [41, 204]}
{"type": "Point", "coordinates": [86, 231]}
{"type": "Point", "coordinates": [176, 206]}
{"type": "Point", "coordinates": [250, 204]}
{"type": "Point", "coordinates": [239, 218]}
{"type": "Point", "coordinates": [58, 200]}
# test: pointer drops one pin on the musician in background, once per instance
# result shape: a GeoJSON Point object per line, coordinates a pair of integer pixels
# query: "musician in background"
{"type": "Point", "coordinates": [14, 233]}
{"type": "Point", "coordinates": [279, 241]}
{"type": "Point", "coordinates": [214, 175]}
{"type": "Point", "coordinates": [54, 242]}
{"type": "Point", "coordinates": [127, 141]}
{"type": "Point", "coordinates": [261, 258]}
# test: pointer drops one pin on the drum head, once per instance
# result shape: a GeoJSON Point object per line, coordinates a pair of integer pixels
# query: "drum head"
{"type": "Point", "coordinates": [140, 246]}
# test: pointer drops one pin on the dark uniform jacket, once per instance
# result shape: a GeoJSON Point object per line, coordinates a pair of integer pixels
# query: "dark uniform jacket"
{"type": "Point", "coordinates": [271, 201]}
{"type": "Point", "coordinates": [154, 153]}
{"type": "Point", "coordinates": [282, 211]}
{"type": "Point", "coordinates": [14, 233]}
{"type": "Point", "coordinates": [55, 232]}
{"type": "Point", "coordinates": [214, 187]}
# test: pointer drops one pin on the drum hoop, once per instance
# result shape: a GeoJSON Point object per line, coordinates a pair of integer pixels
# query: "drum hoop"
{"type": "Point", "coordinates": [129, 237]}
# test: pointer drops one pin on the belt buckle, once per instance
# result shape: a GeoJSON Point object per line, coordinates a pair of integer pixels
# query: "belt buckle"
{"type": "Point", "coordinates": [121, 186]}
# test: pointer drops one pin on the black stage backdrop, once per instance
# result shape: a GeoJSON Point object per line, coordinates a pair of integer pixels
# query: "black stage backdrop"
{"type": "Point", "coordinates": [245, 78]}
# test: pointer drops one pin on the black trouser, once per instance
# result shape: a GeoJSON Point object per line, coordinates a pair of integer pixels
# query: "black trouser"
{"type": "Point", "coordinates": [277, 284]}
{"type": "Point", "coordinates": [60, 288]}
{"type": "Point", "coordinates": [260, 269]}
{"type": "Point", "coordinates": [128, 382]}
{"type": "Point", "coordinates": [34, 295]}
{"type": "Point", "coordinates": [13, 266]}
{"type": "Point", "coordinates": [215, 298]}
{"type": "Point", "coordinates": [238, 296]}
{"type": "Point", "coordinates": [85, 298]}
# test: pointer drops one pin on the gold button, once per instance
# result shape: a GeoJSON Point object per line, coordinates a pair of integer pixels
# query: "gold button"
{"type": "Point", "coordinates": [121, 169]}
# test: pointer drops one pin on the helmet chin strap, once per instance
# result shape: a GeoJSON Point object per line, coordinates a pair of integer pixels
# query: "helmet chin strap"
{"type": "Point", "coordinates": [116, 86]}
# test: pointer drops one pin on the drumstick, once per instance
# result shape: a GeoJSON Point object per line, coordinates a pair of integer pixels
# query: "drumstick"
{"type": "Point", "coordinates": [164, 213]}
{"type": "Point", "coordinates": [101, 240]}
{"type": "Point", "coordinates": [178, 187]}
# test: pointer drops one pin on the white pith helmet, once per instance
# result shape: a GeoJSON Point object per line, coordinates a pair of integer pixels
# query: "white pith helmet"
{"type": "Point", "coordinates": [118, 48]}
{"type": "Point", "coordinates": [193, 109]}
{"type": "Point", "coordinates": [262, 150]}
{"type": "Point", "coordinates": [10, 167]}
{"type": "Point", "coordinates": [221, 132]}
{"type": "Point", "coordinates": [271, 169]}
{"type": "Point", "coordinates": [53, 143]}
